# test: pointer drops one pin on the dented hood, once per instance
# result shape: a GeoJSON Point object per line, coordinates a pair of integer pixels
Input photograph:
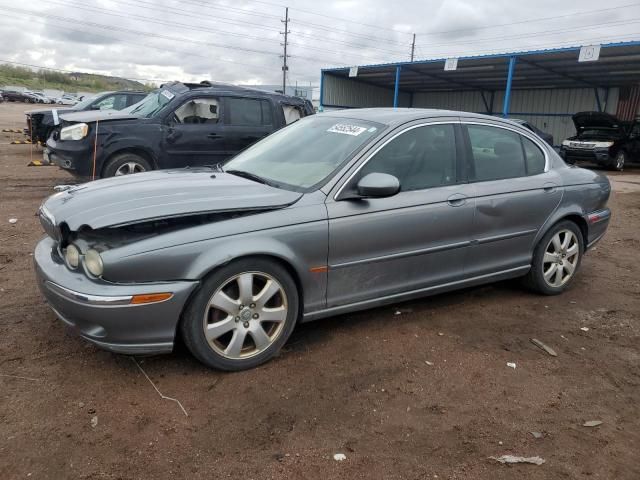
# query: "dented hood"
{"type": "Point", "coordinates": [96, 115]}
{"type": "Point", "coordinates": [157, 195]}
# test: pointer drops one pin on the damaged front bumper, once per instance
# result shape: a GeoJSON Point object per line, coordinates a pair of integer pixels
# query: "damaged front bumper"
{"type": "Point", "coordinates": [102, 312]}
{"type": "Point", "coordinates": [73, 156]}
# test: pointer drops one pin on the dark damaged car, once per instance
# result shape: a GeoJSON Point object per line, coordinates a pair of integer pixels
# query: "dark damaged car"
{"type": "Point", "coordinates": [41, 122]}
{"type": "Point", "coordinates": [602, 139]}
{"type": "Point", "coordinates": [335, 213]}
{"type": "Point", "coordinates": [178, 125]}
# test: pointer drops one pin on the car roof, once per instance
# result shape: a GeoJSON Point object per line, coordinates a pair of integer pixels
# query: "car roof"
{"type": "Point", "coordinates": [227, 89]}
{"type": "Point", "coordinates": [397, 116]}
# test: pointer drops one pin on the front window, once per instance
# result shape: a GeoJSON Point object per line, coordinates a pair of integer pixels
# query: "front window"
{"type": "Point", "coordinates": [197, 111]}
{"type": "Point", "coordinates": [306, 152]}
{"type": "Point", "coordinates": [152, 104]}
{"type": "Point", "coordinates": [86, 102]}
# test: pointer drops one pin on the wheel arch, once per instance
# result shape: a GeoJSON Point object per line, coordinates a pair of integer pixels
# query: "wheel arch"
{"type": "Point", "coordinates": [574, 217]}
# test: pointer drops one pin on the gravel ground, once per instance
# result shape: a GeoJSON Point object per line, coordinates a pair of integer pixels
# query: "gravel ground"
{"type": "Point", "coordinates": [414, 391]}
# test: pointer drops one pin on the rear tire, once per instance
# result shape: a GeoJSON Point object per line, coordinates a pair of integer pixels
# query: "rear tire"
{"type": "Point", "coordinates": [125, 164]}
{"type": "Point", "coordinates": [556, 259]}
{"type": "Point", "coordinates": [242, 315]}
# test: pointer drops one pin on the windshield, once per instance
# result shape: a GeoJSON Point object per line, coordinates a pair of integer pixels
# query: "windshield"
{"type": "Point", "coordinates": [152, 104]}
{"type": "Point", "coordinates": [86, 102]}
{"type": "Point", "coordinates": [306, 152]}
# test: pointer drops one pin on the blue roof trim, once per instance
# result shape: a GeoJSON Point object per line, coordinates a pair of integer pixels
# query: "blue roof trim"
{"type": "Point", "coordinates": [632, 43]}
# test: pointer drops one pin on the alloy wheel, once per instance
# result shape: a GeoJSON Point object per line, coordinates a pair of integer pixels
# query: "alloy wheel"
{"type": "Point", "coordinates": [620, 161]}
{"type": "Point", "coordinates": [129, 168]}
{"type": "Point", "coordinates": [560, 258]}
{"type": "Point", "coordinates": [245, 315]}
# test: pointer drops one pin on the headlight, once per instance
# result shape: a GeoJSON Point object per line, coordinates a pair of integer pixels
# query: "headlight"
{"type": "Point", "coordinates": [602, 144]}
{"type": "Point", "coordinates": [72, 256]}
{"type": "Point", "coordinates": [74, 132]}
{"type": "Point", "coordinates": [93, 262]}
{"type": "Point", "coordinates": [565, 143]}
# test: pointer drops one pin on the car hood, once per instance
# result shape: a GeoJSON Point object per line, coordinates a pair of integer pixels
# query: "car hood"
{"type": "Point", "coordinates": [95, 116]}
{"type": "Point", "coordinates": [584, 120]}
{"type": "Point", "coordinates": [48, 110]}
{"type": "Point", "coordinates": [158, 195]}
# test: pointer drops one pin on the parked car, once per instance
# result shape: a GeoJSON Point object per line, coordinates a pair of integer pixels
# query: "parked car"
{"type": "Point", "coordinates": [179, 124]}
{"type": "Point", "coordinates": [67, 99]}
{"type": "Point", "coordinates": [602, 139]}
{"type": "Point", "coordinates": [335, 213]}
{"type": "Point", "coordinates": [547, 137]}
{"type": "Point", "coordinates": [14, 96]}
{"type": "Point", "coordinates": [42, 122]}
{"type": "Point", "coordinates": [39, 97]}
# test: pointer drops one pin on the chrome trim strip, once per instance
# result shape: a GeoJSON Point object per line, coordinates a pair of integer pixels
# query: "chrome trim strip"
{"type": "Point", "coordinates": [409, 253]}
{"type": "Point", "coordinates": [505, 236]}
{"type": "Point", "coordinates": [384, 144]}
{"type": "Point", "coordinates": [524, 133]}
{"type": "Point", "coordinates": [78, 297]}
{"type": "Point", "coordinates": [376, 301]}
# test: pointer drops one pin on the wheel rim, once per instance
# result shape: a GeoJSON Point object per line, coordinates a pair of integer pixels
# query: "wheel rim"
{"type": "Point", "coordinates": [620, 160]}
{"type": "Point", "coordinates": [245, 315]}
{"type": "Point", "coordinates": [561, 258]}
{"type": "Point", "coordinates": [129, 168]}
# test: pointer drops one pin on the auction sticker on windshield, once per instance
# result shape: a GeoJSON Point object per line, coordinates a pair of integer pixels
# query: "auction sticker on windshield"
{"type": "Point", "coordinates": [167, 94]}
{"type": "Point", "coordinates": [353, 130]}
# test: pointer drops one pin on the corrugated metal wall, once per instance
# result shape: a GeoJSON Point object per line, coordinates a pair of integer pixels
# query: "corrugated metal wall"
{"type": "Point", "coordinates": [349, 93]}
{"type": "Point", "coordinates": [548, 109]}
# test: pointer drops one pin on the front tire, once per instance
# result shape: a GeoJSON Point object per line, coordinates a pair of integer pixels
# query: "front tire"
{"type": "Point", "coordinates": [125, 164]}
{"type": "Point", "coordinates": [242, 315]}
{"type": "Point", "coordinates": [556, 259]}
{"type": "Point", "coordinates": [618, 162]}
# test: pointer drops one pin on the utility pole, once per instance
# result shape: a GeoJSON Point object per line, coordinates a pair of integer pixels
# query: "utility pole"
{"type": "Point", "coordinates": [285, 68]}
{"type": "Point", "coordinates": [413, 46]}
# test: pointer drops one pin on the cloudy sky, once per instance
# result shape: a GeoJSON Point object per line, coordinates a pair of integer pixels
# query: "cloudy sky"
{"type": "Point", "coordinates": [239, 41]}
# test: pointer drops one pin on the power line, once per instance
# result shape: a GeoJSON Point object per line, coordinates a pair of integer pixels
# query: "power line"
{"type": "Point", "coordinates": [532, 20]}
{"type": "Point", "coordinates": [536, 33]}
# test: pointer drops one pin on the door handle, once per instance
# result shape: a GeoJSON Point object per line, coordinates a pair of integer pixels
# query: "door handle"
{"type": "Point", "coordinates": [457, 200]}
{"type": "Point", "coordinates": [549, 187]}
{"type": "Point", "coordinates": [213, 135]}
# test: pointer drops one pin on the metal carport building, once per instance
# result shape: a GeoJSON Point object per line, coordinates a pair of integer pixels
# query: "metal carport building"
{"type": "Point", "coordinates": [544, 87]}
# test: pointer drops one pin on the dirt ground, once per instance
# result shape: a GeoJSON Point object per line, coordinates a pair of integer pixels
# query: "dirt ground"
{"type": "Point", "coordinates": [414, 391]}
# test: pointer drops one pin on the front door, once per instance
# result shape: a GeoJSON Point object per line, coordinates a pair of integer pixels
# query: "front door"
{"type": "Point", "coordinates": [247, 120]}
{"type": "Point", "coordinates": [413, 240]}
{"type": "Point", "coordinates": [515, 195]}
{"type": "Point", "coordinates": [194, 134]}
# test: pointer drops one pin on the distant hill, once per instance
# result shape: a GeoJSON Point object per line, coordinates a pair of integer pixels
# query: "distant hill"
{"type": "Point", "coordinates": [68, 82]}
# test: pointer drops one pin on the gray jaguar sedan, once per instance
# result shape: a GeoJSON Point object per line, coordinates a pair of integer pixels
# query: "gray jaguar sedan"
{"type": "Point", "coordinates": [335, 213]}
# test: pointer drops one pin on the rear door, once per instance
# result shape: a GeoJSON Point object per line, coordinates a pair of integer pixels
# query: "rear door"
{"type": "Point", "coordinates": [194, 134]}
{"type": "Point", "coordinates": [516, 193]}
{"type": "Point", "coordinates": [413, 240]}
{"type": "Point", "coordinates": [247, 120]}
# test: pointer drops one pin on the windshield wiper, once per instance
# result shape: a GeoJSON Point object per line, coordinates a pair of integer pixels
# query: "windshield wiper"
{"type": "Point", "coordinates": [250, 176]}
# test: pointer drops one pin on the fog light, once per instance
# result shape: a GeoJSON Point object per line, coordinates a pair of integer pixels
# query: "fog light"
{"type": "Point", "coordinates": [93, 262]}
{"type": "Point", "coordinates": [72, 256]}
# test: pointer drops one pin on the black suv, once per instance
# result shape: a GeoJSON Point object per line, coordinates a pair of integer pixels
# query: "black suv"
{"type": "Point", "coordinates": [602, 139]}
{"type": "Point", "coordinates": [41, 122]}
{"type": "Point", "coordinates": [178, 125]}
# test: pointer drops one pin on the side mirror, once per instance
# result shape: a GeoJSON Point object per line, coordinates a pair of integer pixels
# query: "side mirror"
{"type": "Point", "coordinates": [378, 185]}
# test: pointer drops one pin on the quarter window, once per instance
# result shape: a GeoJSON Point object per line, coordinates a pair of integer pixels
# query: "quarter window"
{"type": "Point", "coordinates": [421, 158]}
{"type": "Point", "coordinates": [249, 112]}
{"type": "Point", "coordinates": [198, 111]}
{"type": "Point", "coordinates": [533, 156]}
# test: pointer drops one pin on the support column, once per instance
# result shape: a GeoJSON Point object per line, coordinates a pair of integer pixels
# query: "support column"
{"type": "Point", "coordinates": [598, 102]}
{"type": "Point", "coordinates": [321, 107]}
{"type": "Point", "coordinates": [507, 92]}
{"type": "Point", "coordinates": [396, 91]}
